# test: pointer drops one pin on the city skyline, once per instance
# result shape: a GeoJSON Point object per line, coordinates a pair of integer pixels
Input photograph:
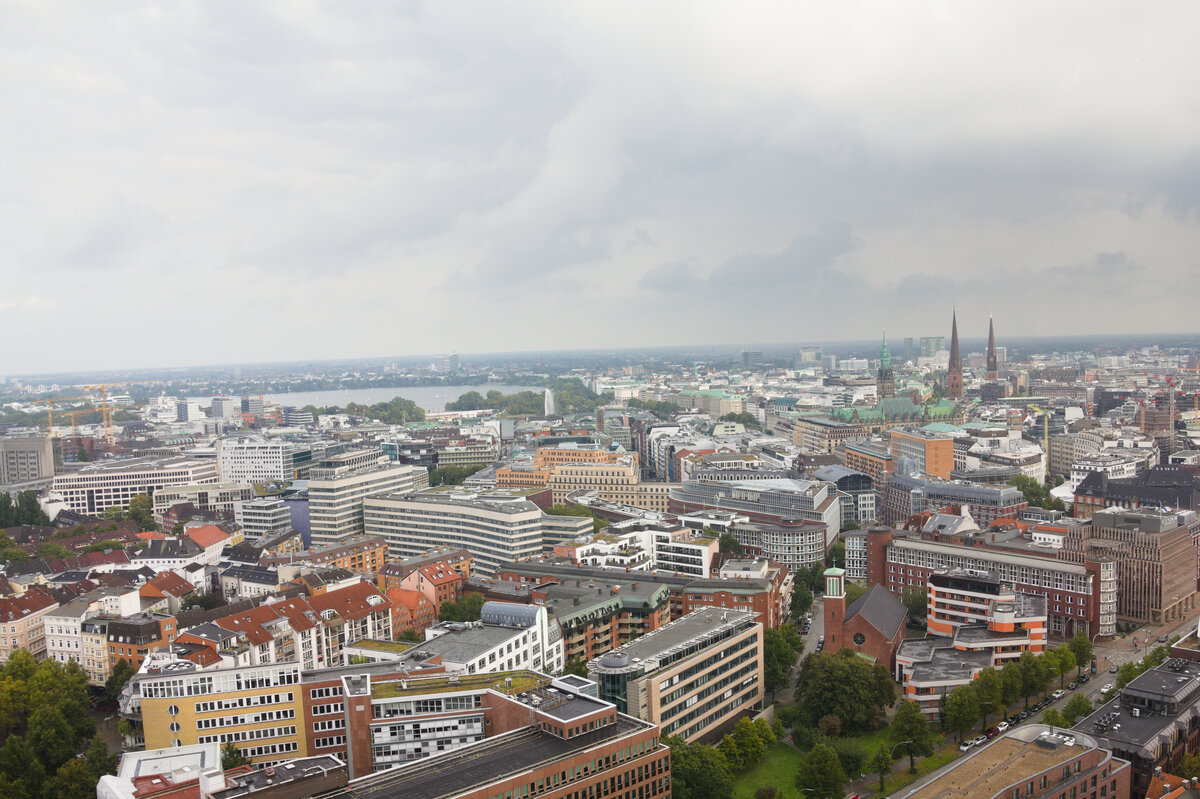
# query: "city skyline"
{"type": "Point", "coordinates": [206, 184]}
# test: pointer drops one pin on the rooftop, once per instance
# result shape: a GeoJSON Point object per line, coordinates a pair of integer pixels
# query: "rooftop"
{"type": "Point", "coordinates": [506, 682]}
{"type": "Point", "coordinates": [1009, 759]}
{"type": "Point", "coordinates": [680, 638]}
{"type": "Point", "coordinates": [490, 761]}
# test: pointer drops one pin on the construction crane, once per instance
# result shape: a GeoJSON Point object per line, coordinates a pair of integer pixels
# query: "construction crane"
{"type": "Point", "coordinates": [105, 411]}
{"type": "Point", "coordinates": [50, 409]}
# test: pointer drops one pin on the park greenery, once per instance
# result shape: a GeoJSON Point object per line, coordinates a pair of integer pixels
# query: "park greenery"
{"type": "Point", "coordinates": [50, 748]}
{"type": "Point", "coordinates": [453, 475]}
{"type": "Point", "coordinates": [845, 686]}
{"type": "Point", "coordinates": [700, 771]}
{"type": "Point", "coordinates": [140, 511]}
{"type": "Point", "coordinates": [743, 418]}
{"type": "Point", "coordinates": [466, 609]}
{"type": "Point", "coordinates": [21, 510]}
{"type": "Point", "coordinates": [781, 646]}
{"type": "Point", "coordinates": [598, 522]}
{"type": "Point", "coordinates": [570, 396]}
{"type": "Point", "coordinates": [1037, 493]}
{"type": "Point", "coordinates": [660, 408]}
{"type": "Point", "coordinates": [397, 410]}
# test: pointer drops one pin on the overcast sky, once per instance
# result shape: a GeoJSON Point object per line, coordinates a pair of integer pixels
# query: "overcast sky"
{"type": "Point", "coordinates": [194, 183]}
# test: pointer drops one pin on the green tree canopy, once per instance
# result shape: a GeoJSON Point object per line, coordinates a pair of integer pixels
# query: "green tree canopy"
{"type": "Point", "coordinates": [466, 609]}
{"type": "Point", "coordinates": [881, 761]}
{"type": "Point", "coordinates": [821, 775]}
{"type": "Point", "coordinates": [1081, 646]}
{"type": "Point", "coordinates": [960, 710]}
{"type": "Point", "coordinates": [802, 600]}
{"type": "Point", "coordinates": [842, 684]}
{"type": "Point", "coordinates": [453, 475]}
{"type": "Point", "coordinates": [576, 666]}
{"type": "Point", "coordinates": [1077, 707]}
{"type": "Point", "coordinates": [698, 771]}
{"type": "Point", "coordinates": [232, 757]}
{"type": "Point", "coordinates": [910, 732]}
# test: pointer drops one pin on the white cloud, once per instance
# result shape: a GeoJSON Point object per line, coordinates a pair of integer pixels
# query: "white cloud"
{"type": "Point", "coordinates": [283, 178]}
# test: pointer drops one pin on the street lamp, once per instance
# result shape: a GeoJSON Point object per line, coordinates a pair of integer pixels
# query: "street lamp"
{"type": "Point", "coordinates": [902, 743]}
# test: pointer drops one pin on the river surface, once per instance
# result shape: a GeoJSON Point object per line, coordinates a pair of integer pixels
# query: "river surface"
{"type": "Point", "coordinates": [431, 398]}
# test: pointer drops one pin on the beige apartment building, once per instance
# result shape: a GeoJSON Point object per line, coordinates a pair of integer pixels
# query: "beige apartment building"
{"type": "Point", "coordinates": [618, 482]}
{"type": "Point", "coordinates": [691, 676]}
{"type": "Point", "coordinates": [23, 623]}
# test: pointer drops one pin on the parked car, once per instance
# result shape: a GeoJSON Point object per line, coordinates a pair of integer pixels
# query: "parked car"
{"type": "Point", "coordinates": [979, 740]}
{"type": "Point", "coordinates": [1002, 726]}
{"type": "Point", "coordinates": [1084, 677]}
{"type": "Point", "coordinates": [1162, 639]}
{"type": "Point", "coordinates": [1113, 670]}
{"type": "Point", "coordinates": [966, 746]}
{"type": "Point", "coordinates": [1058, 694]}
{"type": "Point", "coordinates": [992, 733]}
{"type": "Point", "coordinates": [1072, 686]}
{"type": "Point", "coordinates": [1106, 687]}
{"type": "Point", "coordinates": [1024, 714]}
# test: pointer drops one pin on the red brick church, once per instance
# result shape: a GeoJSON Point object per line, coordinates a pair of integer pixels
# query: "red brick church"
{"type": "Point", "coordinates": [872, 625]}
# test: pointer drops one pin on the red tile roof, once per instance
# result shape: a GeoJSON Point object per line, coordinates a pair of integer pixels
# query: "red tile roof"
{"type": "Point", "coordinates": [14, 608]}
{"type": "Point", "coordinates": [167, 584]}
{"type": "Point", "coordinates": [207, 536]}
{"type": "Point", "coordinates": [440, 574]}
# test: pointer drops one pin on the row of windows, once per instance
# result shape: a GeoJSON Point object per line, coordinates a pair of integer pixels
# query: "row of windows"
{"type": "Point", "coordinates": [249, 735]}
{"type": "Point", "coordinates": [331, 724]}
{"type": "Point", "coordinates": [336, 740]}
{"type": "Point", "coordinates": [322, 710]}
{"type": "Point", "coordinates": [249, 718]}
{"type": "Point", "coordinates": [241, 701]}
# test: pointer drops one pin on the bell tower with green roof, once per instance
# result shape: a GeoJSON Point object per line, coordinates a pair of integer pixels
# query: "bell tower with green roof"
{"type": "Point", "coordinates": [885, 382]}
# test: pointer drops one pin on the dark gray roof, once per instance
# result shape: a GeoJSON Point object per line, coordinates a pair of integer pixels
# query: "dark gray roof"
{"type": "Point", "coordinates": [880, 609]}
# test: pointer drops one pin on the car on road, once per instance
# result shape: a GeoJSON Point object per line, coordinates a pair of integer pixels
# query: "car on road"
{"type": "Point", "coordinates": [992, 733]}
{"type": "Point", "coordinates": [1024, 714]}
{"type": "Point", "coordinates": [1003, 726]}
{"type": "Point", "coordinates": [1106, 687]}
{"type": "Point", "coordinates": [1162, 639]}
{"type": "Point", "coordinates": [1058, 694]}
{"type": "Point", "coordinates": [966, 746]}
{"type": "Point", "coordinates": [1113, 670]}
{"type": "Point", "coordinates": [1084, 678]}
{"type": "Point", "coordinates": [979, 740]}
{"type": "Point", "coordinates": [1071, 686]}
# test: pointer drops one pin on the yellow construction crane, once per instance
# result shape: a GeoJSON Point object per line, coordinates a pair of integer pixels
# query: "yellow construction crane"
{"type": "Point", "coordinates": [105, 411]}
{"type": "Point", "coordinates": [50, 409]}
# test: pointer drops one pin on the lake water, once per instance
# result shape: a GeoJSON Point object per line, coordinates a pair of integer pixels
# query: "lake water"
{"type": "Point", "coordinates": [431, 398]}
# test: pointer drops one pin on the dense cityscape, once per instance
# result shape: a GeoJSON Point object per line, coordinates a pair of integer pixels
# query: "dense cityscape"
{"type": "Point", "coordinates": [906, 570]}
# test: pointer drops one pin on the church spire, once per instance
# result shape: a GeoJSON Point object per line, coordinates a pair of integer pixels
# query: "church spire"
{"type": "Point", "coordinates": [993, 365]}
{"type": "Point", "coordinates": [954, 375]}
{"type": "Point", "coordinates": [885, 383]}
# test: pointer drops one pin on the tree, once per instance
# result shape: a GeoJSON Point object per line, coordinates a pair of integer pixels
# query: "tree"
{"type": "Point", "coordinates": [729, 749]}
{"type": "Point", "coordinates": [410, 635]}
{"type": "Point", "coordinates": [821, 775]}
{"type": "Point", "coordinates": [1032, 675]}
{"type": "Point", "coordinates": [1189, 767]}
{"type": "Point", "coordinates": [842, 684]}
{"type": "Point", "coordinates": [121, 673]}
{"type": "Point", "coordinates": [453, 475]}
{"type": "Point", "coordinates": [749, 742]}
{"type": "Point", "coordinates": [29, 511]}
{"type": "Point", "coordinates": [21, 665]}
{"type": "Point", "coordinates": [8, 515]}
{"type": "Point", "coordinates": [854, 591]}
{"type": "Point", "coordinates": [598, 524]}
{"type": "Point", "coordinates": [1054, 718]}
{"type": "Point", "coordinates": [802, 600]}
{"type": "Point", "coordinates": [232, 757]}
{"type": "Point", "coordinates": [141, 509]}
{"type": "Point", "coordinates": [1077, 707]}
{"type": "Point", "coordinates": [14, 703]}
{"type": "Point", "coordinates": [766, 792]}
{"type": "Point", "coordinates": [698, 771]}
{"type": "Point", "coordinates": [960, 710]}
{"type": "Point", "coordinates": [836, 557]}
{"type": "Point", "coordinates": [19, 762]}
{"type": "Point", "coordinates": [99, 759]}
{"type": "Point", "coordinates": [885, 686]}
{"type": "Point", "coordinates": [989, 691]}
{"type": "Point", "coordinates": [916, 603]}
{"type": "Point", "coordinates": [910, 730]}
{"type": "Point", "coordinates": [745, 419]}
{"type": "Point", "coordinates": [1081, 646]}
{"type": "Point", "coordinates": [1010, 680]}
{"type": "Point", "coordinates": [881, 761]}
{"type": "Point", "coordinates": [576, 666]}
{"type": "Point", "coordinates": [208, 601]}
{"type": "Point", "coordinates": [730, 544]}
{"type": "Point", "coordinates": [1065, 662]}
{"type": "Point", "coordinates": [51, 737]}
{"type": "Point", "coordinates": [73, 780]}
{"type": "Point", "coordinates": [830, 726]}
{"type": "Point", "coordinates": [466, 609]}
{"type": "Point", "coordinates": [778, 659]}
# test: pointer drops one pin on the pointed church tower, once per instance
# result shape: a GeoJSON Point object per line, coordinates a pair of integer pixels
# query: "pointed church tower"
{"type": "Point", "coordinates": [954, 375]}
{"type": "Point", "coordinates": [885, 383]}
{"type": "Point", "coordinates": [835, 608]}
{"type": "Point", "coordinates": [993, 366]}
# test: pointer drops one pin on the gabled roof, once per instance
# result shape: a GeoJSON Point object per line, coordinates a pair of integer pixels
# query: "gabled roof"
{"type": "Point", "coordinates": [15, 608]}
{"type": "Point", "coordinates": [207, 536]}
{"type": "Point", "coordinates": [167, 584]}
{"type": "Point", "coordinates": [440, 574]}
{"type": "Point", "coordinates": [880, 609]}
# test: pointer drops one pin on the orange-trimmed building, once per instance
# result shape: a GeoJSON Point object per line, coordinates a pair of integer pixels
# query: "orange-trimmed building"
{"type": "Point", "coordinates": [976, 622]}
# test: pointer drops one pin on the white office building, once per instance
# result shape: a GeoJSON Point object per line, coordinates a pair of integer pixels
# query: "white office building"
{"type": "Point", "coordinates": [496, 526]}
{"type": "Point", "coordinates": [262, 518]}
{"type": "Point", "coordinates": [105, 484]}
{"type": "Point", "coordinates": [339, 485]}
{"type": "Point", "coordinates": [215, 497]}
{"type": "Point", "coordinates": [254, 459]}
